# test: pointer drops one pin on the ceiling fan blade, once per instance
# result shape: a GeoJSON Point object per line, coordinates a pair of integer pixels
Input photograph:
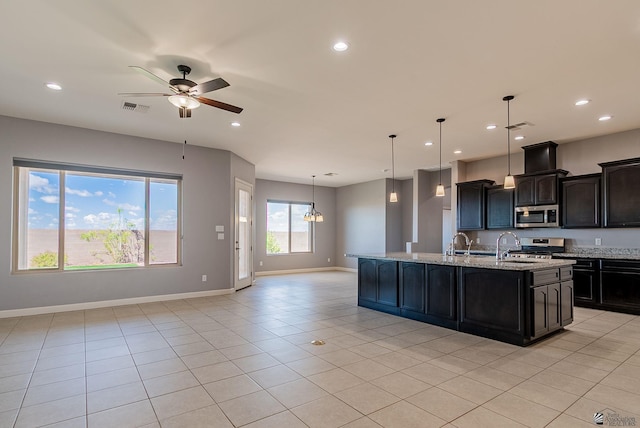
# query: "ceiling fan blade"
{"type": "Point", "coordinates": [144, 94]}
{"type": "Point", "coordinates": [223, 106]}
{"type": "Point", "coordinates": [211, 85]}
{"type": "Point", "coordinates": [152, 76]}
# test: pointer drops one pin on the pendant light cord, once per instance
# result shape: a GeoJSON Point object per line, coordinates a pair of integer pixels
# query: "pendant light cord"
{"type": "Point", "coordinates": [508, 137]}
{"type": "Point", "coordinates": [440, 181]}
{"type": "Point", "coordinates": [393, 171]}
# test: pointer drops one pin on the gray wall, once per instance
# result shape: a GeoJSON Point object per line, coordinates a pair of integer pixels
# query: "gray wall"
{"type": "Point", "coordinates": [579, 157]}
{"type": "Point", "coordinates": [393, 217]}
{"type": "Point", "coordinates": [360, 220]}
{"type": "Point", "coordinates": [325, 232]}
{"type": "Point", "coordinates": [207, 182]}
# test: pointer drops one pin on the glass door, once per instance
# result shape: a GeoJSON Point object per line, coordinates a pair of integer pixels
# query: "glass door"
{"type": "Point", "coordinates": [243, 235]}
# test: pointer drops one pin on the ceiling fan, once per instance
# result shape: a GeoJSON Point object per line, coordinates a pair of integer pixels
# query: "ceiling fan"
{"type": "Point", "coordinates": [186, 93]}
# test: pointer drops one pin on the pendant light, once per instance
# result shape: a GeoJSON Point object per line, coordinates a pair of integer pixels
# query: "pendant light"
{"type": "Point", "coordinates": [393, 197]}
{"type": "Point", "coordinates": [509, 182]}
{"type": "Point", "coordinates": [440, 188]}
{"type": "Point", "coordinates": [313, 215]}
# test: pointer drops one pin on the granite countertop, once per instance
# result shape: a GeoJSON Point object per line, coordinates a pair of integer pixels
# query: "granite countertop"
{"type": "Point", "coordinates": [477, 261]}
{"type": "Point", "coordinates": [614, 255]}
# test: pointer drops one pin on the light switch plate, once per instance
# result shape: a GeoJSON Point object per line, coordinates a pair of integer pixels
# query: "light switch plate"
{"type": "Point", "coordinates": [220, 236]}
{"type": "Point", "coordinates": [219, 228]}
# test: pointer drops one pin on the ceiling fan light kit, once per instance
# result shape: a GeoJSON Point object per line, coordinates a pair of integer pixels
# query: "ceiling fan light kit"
{"type": "Point", "coordinates": [187, 93]}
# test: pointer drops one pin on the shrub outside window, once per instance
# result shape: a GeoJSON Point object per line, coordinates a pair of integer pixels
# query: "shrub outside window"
{"type": "Point", "coordinates": [287, 232]}
{"type": "Point", "coordinates": [74, 217]}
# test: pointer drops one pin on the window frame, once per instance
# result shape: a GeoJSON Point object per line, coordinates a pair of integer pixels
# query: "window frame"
{"type": "Point", "coordinates": [311, 227]}
{"type": "Point", "coordinates": [62, 169]}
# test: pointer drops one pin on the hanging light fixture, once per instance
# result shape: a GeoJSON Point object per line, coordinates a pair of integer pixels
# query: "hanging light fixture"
{"type": "Point", "coordinates": [440, 188]}
{"type": "Point", "coordinates": [509, 182]}
{"type": "Point", "coordinates": [393, 197]}
{"type": "Point", "coordinates": [313, 215]}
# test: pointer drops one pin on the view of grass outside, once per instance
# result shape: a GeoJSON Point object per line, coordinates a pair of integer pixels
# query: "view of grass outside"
{"type": "Point", "coordinates": [104, 220]}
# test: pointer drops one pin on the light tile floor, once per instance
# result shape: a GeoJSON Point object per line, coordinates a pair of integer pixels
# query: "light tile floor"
{"type": "Point", "coordinates": [246, 360]}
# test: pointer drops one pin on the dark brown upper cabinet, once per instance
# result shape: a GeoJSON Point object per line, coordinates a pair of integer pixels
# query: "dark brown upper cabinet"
{"type": "Point", "coordinates": [500, 208]}
{"type": "Point", "coordinates": [581, 201]}
{"type": "Point", "coordinates": [538, 189]}
{"type": "Point", "coordinates": [471, 204]}
{"type": "Point", "coordinates": [621, 198]}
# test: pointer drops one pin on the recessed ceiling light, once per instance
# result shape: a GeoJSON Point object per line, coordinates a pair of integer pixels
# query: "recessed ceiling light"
{"type": "Point", "coordinates": [340, 46]}
{"type": "Point", "coordinates": [582, 102]}
{"type": "Point", "coordinates": [54, 86]}
{"type": "Point", "coordinates": [457, 152]}
{"type": "Point", "coordinates": [492, 126]}
{"type": "Point", "coordinates": [235, 124]}
{"type": "Point", "coordinates": [519, 137]}
{"type": "Point", "coordinates": [605, 117]}
{"type": "Point", "coordinates": [428, 143]}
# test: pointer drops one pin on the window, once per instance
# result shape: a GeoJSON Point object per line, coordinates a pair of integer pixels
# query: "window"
{"type": "Point", "coordinates": [72, 217]}
{"type": "Point", "coordinates": [287, 232]}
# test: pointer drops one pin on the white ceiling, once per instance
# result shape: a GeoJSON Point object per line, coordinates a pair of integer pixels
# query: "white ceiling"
{"type": "Point", "coordinates": [310, 110]}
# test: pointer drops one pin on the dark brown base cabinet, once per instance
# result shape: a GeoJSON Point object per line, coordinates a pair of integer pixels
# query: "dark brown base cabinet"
{"type": "Point", "coordinates": [586, 283]}
{"type": "Point", "coordinates": [378, 284]}
{"type": "Point", "coordinates": [620, 285]}
{"type": "Point", "coordinates": [518, 307]}
{"type": "Point", "coordinates": [607, 284]}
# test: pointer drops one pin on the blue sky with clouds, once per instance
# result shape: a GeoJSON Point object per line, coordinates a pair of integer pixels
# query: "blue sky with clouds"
{"type": "Point", "coordinates": [93, 202]}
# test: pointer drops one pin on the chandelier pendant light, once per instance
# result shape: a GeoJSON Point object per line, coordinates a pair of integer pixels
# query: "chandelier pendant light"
{"type": "Point", "coordinates": [440, 187]}
{"type": "Point", "coordinates": [509, 182]}
{"type": "Point", "coordinates": [393, 197]}
{"type": "Point", "coordinates": [313, 215]}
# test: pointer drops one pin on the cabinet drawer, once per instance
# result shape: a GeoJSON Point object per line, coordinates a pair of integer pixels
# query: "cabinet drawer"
{"type": "Point", "coordinates": [547, 276]}
{"type": "Point", "coordinates": [566, 273]}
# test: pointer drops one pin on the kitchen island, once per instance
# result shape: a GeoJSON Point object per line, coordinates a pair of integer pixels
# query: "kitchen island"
{"type": "Point", "coordinates": [518, 301]}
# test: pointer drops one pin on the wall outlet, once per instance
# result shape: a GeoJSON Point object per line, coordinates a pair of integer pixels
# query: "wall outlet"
{"type": "Point", "coordinates": [504, 240]}
{"type": "Point", "coordinates": [260, 262]}
{"type": "Point", "coordinates": [598, 241]}
{"type": "Point", "coordinates": [478, 240]}
{"type": "Point", "coordinates": [328, 260]}
{"type": "Point", "coordinates": [204, 278]}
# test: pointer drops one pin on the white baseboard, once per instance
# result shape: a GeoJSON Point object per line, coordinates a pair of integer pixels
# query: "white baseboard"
{"type": "Point", "coordinates": [109, 303]}
{"type": "Point", "coordinates": [306, 270]}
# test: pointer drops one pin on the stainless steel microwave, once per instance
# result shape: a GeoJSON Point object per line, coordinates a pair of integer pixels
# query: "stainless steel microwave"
{"type": "Point", "coordinates": [538, 216]}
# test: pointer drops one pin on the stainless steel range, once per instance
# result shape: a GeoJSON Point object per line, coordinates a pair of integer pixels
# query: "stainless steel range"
{"type": "Point", "coordinates": [538, 248]}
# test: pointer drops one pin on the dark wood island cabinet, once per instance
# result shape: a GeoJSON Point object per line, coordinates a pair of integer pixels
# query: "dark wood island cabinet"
{"type": "Point", "coordinates": [515, 302]}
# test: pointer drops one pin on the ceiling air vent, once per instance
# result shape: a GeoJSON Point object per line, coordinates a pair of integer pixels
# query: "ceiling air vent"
{"type": "Point", "coordinates": [519, 125]}
{"type": "Point", "coordinates": [126, 105]}
{"type": "Point", "coordinates": [331, 174]}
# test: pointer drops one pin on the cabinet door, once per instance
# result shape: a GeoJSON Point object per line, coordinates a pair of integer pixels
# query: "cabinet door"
{"type": "Point", "coordinates": [412, 282]}
{"type": "Point", "coordinates": [499, 208]}
{"type": "Point", "coordinates": [470, 206]}
{"type": "Point", "coordinates": [621, 289]}
{"type": "Point", "coordinates": [581, 202]}
{"type": "Point", "coordinates": [540, 310]}
{"type": "Point", "coordinates": [555, 304]}
{"type": "Point", "coordinates": [367, 280]}
{"type": "Point", "coordinates": [387, 280]}
{"type": "Point", "coordinates": [525, 191]}
{"type": "Point", "coordinates": [546, 189]}
{"type": "Point", "coordinates": [441, 292]}
{"type": "Point", "coordinates": [585, 282]}
{"type": "Point", "coordinates": [566, 298]}
{"type": "Point", "coordinates": [621, 196]}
